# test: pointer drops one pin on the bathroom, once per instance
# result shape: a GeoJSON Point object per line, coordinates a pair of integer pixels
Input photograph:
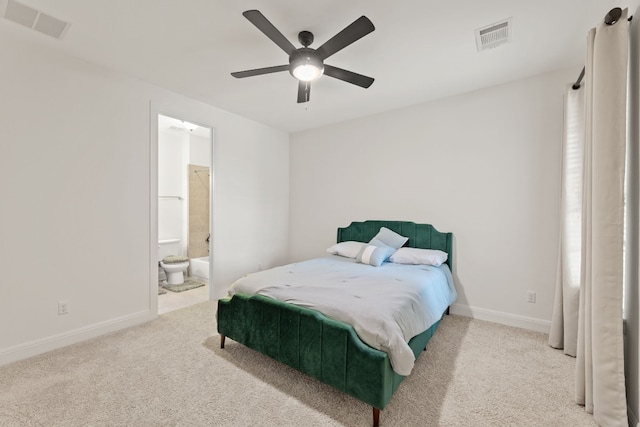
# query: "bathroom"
{"type": "Point", "coordinates": [184, 206]}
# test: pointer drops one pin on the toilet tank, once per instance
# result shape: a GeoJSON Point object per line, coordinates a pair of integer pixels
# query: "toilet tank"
{"type": "Point", "coordinates": [169, 247]}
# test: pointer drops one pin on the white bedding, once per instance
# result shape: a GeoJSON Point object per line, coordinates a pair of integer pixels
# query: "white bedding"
{"type": "Point", "coordinates": [386, 305]}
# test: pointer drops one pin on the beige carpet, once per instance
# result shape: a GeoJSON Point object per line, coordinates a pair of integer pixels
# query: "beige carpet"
{"type": "Point", "coordinates": [171, 372]}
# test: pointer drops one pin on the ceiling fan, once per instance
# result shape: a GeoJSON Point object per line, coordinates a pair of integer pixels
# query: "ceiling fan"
{"type": "Point", "coordinates": [307, 64]}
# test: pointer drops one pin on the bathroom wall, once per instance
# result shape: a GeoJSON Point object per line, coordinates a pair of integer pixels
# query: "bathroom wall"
{"type": "Point", "coordinates": [172, 157]}
{"type": "Point", "coordinates": [198, 211]}
{"type": "Point", "coordinates": [199, 149]}
{"type": "Point", "coordinates": [198, 193]}
{"type": "Point", "coordinates": [183, 202]}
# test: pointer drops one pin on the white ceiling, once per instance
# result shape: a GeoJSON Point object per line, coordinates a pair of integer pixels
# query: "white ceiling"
{"type": "Point", "coordinates": [177, 126]}
{"type": "Point", "coordinates": [421, 49]}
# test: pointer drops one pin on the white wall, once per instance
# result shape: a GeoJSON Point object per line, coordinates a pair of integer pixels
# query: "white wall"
{"type": "Point", "coordinates": [485, 166]}
{"type": "Point", "coordinates": [75, 167]}
{"type": "Point", "coordinates": [171, 182]}
{"type": "Point", "coordinates": [199, 150]}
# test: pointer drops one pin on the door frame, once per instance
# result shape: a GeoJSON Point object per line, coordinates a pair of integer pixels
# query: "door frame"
{"type": "Point", "coordinates": [156, 110]}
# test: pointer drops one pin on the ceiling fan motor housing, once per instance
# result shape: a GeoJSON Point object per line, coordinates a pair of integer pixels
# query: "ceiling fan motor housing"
{"type": "Point", "coordinates": [305, 38]}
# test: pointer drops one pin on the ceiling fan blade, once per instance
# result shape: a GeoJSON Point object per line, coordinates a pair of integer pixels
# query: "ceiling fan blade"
{"type": "Point", "coordinates": [304, 90]}
{"type": "Point", "coordinates": [348, 76]}
{"type": "Point", "coordinates": [353, 32]}
{"type": "Point", "coordinates": [260, 71]}
{"type": "Point", "coordinates": [263, 24]}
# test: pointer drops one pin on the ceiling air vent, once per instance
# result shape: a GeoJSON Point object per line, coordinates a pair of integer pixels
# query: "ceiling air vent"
{"type": "Point", "coordinates": [34, 19]}
{"type": "Point", "coordinates": [494, 35]}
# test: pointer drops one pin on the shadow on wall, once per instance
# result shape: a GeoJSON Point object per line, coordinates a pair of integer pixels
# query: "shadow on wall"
{"type": "Point", "coordinates": [462, 297]}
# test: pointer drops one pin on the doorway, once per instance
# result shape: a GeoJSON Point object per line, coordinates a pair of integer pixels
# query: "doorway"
{"type": "Point", "coordinates": [184, 207]}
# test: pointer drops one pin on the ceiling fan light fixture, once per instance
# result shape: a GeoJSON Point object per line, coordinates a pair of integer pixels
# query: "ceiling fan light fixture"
{"type": "Point", "coordinates": [305, 65]}
{"type": "Point", "coordinates": [307, 72]}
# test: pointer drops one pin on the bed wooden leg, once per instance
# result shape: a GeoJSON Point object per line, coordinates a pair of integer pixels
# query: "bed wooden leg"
{"type": "Point", "coordinates": [376, 417]}
{"type": "Point", "coordinates": [222, 337]}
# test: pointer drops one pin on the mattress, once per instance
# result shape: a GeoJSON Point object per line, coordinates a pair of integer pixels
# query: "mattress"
{"type": "Point", "coordinates": [386, 305]}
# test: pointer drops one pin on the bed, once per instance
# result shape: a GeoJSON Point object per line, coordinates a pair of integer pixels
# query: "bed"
{"type": "Point", "coordinates": [324, 348]}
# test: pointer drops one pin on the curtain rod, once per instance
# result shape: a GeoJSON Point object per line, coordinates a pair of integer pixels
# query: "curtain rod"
{"type": "Point", "coordinates": [610, 18]}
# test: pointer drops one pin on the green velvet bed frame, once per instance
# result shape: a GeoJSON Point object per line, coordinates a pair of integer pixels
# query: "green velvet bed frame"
{"type": "Point", "coordinates": [325, 349]}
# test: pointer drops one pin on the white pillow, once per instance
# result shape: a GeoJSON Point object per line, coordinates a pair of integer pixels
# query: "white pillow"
{"type": "Point", "coordinates": [388, 238]}
{"type": "Point", "coordinates": [419, 256]}
{"type": "Point", "coordinates": [374, 255]}
{"type": "Point", "coordinates": [347, 249]}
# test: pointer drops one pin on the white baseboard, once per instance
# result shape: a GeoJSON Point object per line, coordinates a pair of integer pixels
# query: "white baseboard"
{"type": "Point", "coordinates": [36, 347]}
{"type": "Point", "coordinates": [508, 319]}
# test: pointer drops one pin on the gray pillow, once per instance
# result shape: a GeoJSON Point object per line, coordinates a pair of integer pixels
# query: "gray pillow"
{"type": "Point", "coordinates": [374, 255]}
{"type": "Point", "coordinates": [388, 238]}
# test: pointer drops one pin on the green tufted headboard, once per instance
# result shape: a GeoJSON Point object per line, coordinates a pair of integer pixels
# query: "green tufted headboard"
{"type": "Point", "coordinates": [423, 236]}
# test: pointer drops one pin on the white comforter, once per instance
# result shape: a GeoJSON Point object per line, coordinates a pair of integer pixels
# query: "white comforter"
{"type": "Point", "coordinates": [386, 305]}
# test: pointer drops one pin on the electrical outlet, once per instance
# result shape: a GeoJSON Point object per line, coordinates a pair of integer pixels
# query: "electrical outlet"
{"type": "Point", "coordinates": [63, 307]}
{"type": "Point", "coordinates": [531, 296]}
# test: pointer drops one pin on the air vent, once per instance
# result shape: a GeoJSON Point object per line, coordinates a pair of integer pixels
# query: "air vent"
{"type": "Point", "coordinates": [494, 35]}
{"type": "Point", "coordinates": [36, 20]}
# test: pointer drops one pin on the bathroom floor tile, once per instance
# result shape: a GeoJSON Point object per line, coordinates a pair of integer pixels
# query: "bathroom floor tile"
{"type": "Point", "coordinates": [176, 300]}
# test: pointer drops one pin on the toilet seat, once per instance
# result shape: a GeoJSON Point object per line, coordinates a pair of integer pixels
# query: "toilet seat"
{"type": "Point", "coordinates": [175, 259]}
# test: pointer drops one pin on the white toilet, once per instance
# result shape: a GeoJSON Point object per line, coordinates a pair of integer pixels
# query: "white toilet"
{"type": "Point", "coordinates": [173, 265]}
